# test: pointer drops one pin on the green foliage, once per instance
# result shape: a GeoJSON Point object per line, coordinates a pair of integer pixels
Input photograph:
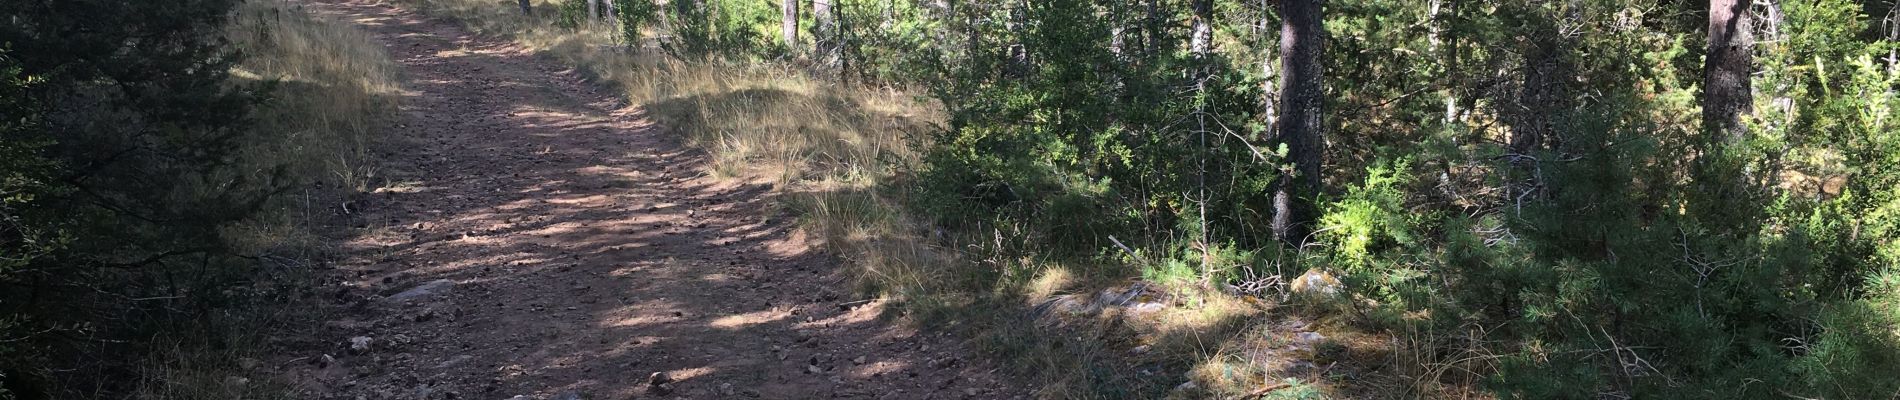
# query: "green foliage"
{"type": "Point", "coordinates": [571, 14]}
{"type": "Point", "coordinates": [1625, 254]}
{"type": "Point", "coordinates": [123, 159]}
{"type": "Point", "coordinates": [1533, 170]}
{"type": "Point", "coordinates": [634, 15]}
{"type": "Point", "coordinates": [1373, 237]}
{"type": "Point", "coordinates": [30, 229]}
{"type": "Point", "coordinates": [733, 28]}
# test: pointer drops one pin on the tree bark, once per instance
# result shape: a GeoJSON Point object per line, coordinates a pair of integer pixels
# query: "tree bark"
{"type": "Point", "coordinates": [1269, 87]}
{"type": "Point", "coordinates": [1726, 90]}
{"type": "Point", "coordinates": [1446, 47]}
{"type": "Point", "coordinates": [821, 30]}
{"type": "Point", "coordinates": [593, 12]}
{"type": "Point", "coordinates": [1301, 125]}
{"type": "Point", "coordinates": [1202, 40]}
{"type": "Point", "coordinates": [788, 23]}
{"type": "Point", "coordinates": [607, 12]}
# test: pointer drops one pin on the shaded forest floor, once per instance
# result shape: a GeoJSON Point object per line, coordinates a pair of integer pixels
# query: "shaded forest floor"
{"type": "Point", "coordinates": [537, 237]}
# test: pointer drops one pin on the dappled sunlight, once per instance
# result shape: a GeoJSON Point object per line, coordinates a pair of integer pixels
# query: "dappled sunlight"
{"type": "Point", "coordinates": [749, 319]}
{"type": "Point", "coordinates": [586, 248]}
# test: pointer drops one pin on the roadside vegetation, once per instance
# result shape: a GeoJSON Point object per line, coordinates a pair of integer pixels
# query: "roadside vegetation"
{"type": "Point", "coordinates": [1117, 198]}
{"type": "Point", "coordinates": [169, 170]}
{"type": "Point", "coordinates": [1513, 199]}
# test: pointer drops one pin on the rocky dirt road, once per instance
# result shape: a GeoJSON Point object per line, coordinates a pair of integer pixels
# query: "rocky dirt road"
{"type": "Point", "coordinates": [539, 240]}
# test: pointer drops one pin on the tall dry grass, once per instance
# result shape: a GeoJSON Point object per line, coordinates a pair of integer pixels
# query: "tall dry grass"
{"type": "Point", "coordinates": [332, 89]}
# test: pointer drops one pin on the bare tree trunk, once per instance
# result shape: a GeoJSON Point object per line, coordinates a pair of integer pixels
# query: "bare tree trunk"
{"type": "Point", "coordinates": [1202, 40]}
{"type": "Point", "coordinates": [1269, 87]}
{"type": "Point", "coordinates": [1301, 124]}
{"type": "Point", "coordinates": [526, 9]}
{"type": "Point", "coordinates": [821, 31]}
{"type": "Point", "coordinates": [607, 12]}
{"type": "Point", "coordinates": [788, 24]}
{"type": "Point", "coordinates": [1544, 95]}
{"type": "Point", "coordinates": [1726, 90]}
{"type": "Point", "coordinates": [1018, 24]}
{"type": "Point", "coordinates": [1442, 12]}
{"type": "Point", "coordinates": [593, 12]}
{"type": "Point", "coordinates": [1542, 105]}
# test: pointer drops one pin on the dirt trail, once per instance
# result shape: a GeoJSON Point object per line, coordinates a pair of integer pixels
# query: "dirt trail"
{"type": "Point", "coordinates": [584, 251]}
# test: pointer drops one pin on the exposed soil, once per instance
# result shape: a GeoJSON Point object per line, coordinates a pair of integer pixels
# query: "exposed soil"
{"type": "Point", "coordinates": [569, 250]}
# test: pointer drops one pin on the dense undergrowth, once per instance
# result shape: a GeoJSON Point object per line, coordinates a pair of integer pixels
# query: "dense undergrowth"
{"type": "Point", "coordinates": [168, 170]}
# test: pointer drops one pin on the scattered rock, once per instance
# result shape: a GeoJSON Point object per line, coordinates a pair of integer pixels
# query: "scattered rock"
{"type": "Point", "coordinates": [452, 361]}
{"type": "Point", "coordinates": [236, 381]}
{"type": "Point", "coordinates": [1316, 282]}
{"type": "Point", "coordinates": [1308, 337]}
{"type": "Point", "coordinates": [813, 369]}
{"type": "Point", "coordinates": [425, 290]}
{"type": "Point", "coordinates": [1145, 307]}
{"type": "Point", "coordinates": [1188, 386]}
{"type": "Point", "coordinates": [726, 389]}
{"type": "Point", "coordinates": [858, 361]}
{"type": "Point", "coordinates": [568, 396]}
{"type": "Point", "coordinates": [324, 361]}
{"type": "Point", "coordinates": [659, 378]}
{"type": "Point", "coordinates": [360, 344]}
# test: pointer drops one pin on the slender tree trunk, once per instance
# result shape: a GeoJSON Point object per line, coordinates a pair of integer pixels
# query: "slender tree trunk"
{"type": "Point", "coordinates": [593, 12]}
{"type": "Point", "coordinates": [1543, 95]}
{"type": "Point", "coordinates": [821, 29]}
{"type": "Point", "coordinates": [526, 9]}
{"type": "Point", "coordinates": [1018, 25]}
{"type": "Point", "coordinates": [607, 12]}
{"type": "Point", "coordinates": [1726, 90]}
{"type": "Point", "coordinates": [1446, 47]}
{"type": "Point", "coordinates": [1543, 103]}
{"type": "Point", "coordinates": [1301, 124]}
{"type": "Point", "coordinates": [1203, 28]}
{"type": "Point", "coordinates": [788, 24]}
{"type": "Point", "coordinates": [843, 43]}
{"type": "Point", "coordinates": [1269, 87]}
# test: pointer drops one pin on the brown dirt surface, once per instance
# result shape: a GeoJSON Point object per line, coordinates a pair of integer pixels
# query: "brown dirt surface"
{"type": "Point", "coordinates": [583, 251]}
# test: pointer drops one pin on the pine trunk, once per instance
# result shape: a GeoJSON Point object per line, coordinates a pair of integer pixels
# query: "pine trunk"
{"type": "Point", "coordinates": [1726, 89]}
{"type": "Point", "coordinates": [1301, 124]}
